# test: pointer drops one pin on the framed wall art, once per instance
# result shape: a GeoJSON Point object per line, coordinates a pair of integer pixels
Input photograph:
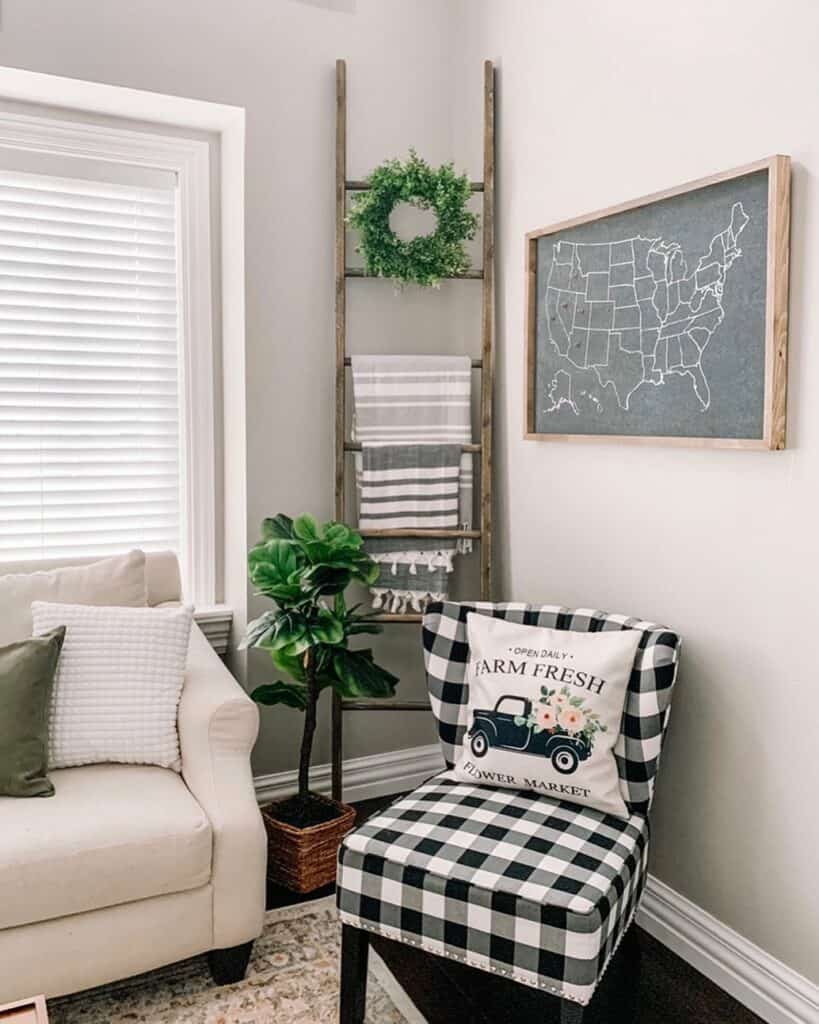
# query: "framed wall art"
{"type": "Point", "coordinates": [664, 320]}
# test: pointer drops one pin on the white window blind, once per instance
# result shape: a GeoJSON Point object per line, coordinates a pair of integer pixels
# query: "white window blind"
{"type": "Point", "coordinates": [89, 367]}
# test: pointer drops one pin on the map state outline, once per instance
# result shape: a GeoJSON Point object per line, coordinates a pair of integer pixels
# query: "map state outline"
{"type": "Point", "coordinates": [631, 311]}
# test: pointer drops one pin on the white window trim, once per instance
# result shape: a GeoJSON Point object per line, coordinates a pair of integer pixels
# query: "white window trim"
{"type": "Point", "coordinates": [189, 160]}
{"type": "Point", "coordinates": [227, 123]}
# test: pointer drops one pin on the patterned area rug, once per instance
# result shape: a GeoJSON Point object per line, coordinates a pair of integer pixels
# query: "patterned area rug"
{"type": "Point", "coordinates": [292, 979]}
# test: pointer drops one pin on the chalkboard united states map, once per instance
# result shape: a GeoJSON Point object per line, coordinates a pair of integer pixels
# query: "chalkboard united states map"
{"type": "Point", "coordinates": [634, 311]}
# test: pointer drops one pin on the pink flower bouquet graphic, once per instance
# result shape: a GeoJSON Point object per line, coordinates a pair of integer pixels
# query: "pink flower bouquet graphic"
{"type": "Point", "coordinates": [561, 712]}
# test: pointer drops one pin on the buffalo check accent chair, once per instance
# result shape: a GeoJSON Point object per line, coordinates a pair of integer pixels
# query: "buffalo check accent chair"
{"type": "Point", "coordinates": [517, 883]}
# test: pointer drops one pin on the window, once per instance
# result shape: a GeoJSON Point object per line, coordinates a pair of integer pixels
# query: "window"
{"type": "Point", "coordinates": [511, 706]}
{"type": "Point", "coordinates": [89, 368]}
{"type": "Point", "coordinates": [106, 356]}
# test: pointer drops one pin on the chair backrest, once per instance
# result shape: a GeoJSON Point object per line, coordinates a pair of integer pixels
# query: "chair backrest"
{"type": "Point", "coordinates": [648, 701]}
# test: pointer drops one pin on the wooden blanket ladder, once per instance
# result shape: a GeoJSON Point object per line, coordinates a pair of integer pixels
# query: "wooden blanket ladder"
{"type": "Point", "coordinates": [485, 364]}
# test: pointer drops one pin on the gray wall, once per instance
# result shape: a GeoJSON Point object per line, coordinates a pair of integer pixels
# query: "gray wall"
{"type": "Point", "coordinates": [276, 58]}
{"type": "Point", "coordinates": [600, 103]}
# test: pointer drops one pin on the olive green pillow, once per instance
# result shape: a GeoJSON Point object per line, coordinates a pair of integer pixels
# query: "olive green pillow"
{"type": "Point", "coordinates": [26, 676]}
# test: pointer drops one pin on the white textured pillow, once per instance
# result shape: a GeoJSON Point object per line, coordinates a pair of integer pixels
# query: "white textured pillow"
{"type": "Point", "coordinates": [545, 709]}
{"type": "Point", "coordinates": [112, 581]}
{"type": "Point", "coordinates": [118, 683]}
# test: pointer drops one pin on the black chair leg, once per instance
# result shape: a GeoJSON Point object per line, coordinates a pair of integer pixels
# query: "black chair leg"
{"type": "Point", "coordinates": [628, 1001]}
{"type": "Point", "coordinates": [227, 966]}
{"type": "Point", "coordinates": [355, 944]}
{"type": "Point", "coordinates": [570, 1013]}
{"type": "Point", "coordinates": [616, 1001]}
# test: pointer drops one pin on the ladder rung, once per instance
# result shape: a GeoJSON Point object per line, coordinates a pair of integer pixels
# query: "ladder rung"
{"type": "Point", "coordinates": [477, 364]}
{"type": "Point", "coordinates": [468, 275]}
{"type": "Point", "coordinates": [354, 446]}
{"type": "Point", "coordinates": [363, 186]}
{"type": "Point", "coordinates": [391, 617]}
{"type": "Point", "coordinates": [443, 533]}
{"type": "Point", "coordinates": [366, 705]}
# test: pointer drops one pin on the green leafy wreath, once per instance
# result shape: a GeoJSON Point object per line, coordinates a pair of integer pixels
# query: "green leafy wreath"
{"type": "Point", "coordinates": [426, 259]}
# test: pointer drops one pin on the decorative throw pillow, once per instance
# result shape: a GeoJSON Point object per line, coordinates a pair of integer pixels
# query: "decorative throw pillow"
{"type": "Point", "coordinates": [118, 683]}
{"type": "Point", "coordinates": [545, 707]}
{"type": "Point", "coordinates": [119, 580]}
{"type": "Point", "coordinates": [26, 677]}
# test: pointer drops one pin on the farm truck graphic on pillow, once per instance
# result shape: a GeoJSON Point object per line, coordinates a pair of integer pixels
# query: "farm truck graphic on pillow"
{"type": "Point", "coordinates": [545, 707]}
{"type": "Point", "coordinates": [562, 730]}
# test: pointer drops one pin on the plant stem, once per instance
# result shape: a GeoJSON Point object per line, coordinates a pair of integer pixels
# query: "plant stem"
{"type": "Point", "coordinates": [309, 727]}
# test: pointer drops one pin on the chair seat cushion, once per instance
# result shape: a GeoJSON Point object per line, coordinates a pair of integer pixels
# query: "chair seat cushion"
{"type": "Point", "coordinates": [111, 834]}
{"type": "Point", "coordinates": [510, 882]}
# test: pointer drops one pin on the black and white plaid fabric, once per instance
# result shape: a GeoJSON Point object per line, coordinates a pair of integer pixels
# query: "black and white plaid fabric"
{"type": "Point", "coordinates": [535, 889]}
{"type": "Point", "coordinates": [648, 700]}
{"type": "Point", "coordinates": [516, 883]}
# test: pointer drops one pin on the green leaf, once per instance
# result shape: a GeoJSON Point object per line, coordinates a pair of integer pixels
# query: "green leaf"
{"type": "Point", "coordinates": [340, 535]}
{"type": "Point", "coordinates": [275, 567]}
{"type": "Point", "coordinates": [326, 580]}
{"type": "Point", "coordinates": [293, 665]}
{"type": "Point", "coordinates": [367, 572]}
{"type": "Point", "coordinates": [335, 568]}
{"type": "Point", "coordinates": [293, 695]}
{"type": "Point", "coordinates": [306, 529]}
{"type": "Point", "coordinates": [520, 720]}
{"type": "Point", "coordinates": [280, 527]}
{"type": "Point", "coordinates": [325, 628]}
{"type": "Point", "coordinates": [360, 623]}
{"type": "Point", "coordinates": [290, 633]}
{"type": "Point", "coordinates": [318, 551]}
{"type": "Point", "coordinates": [259, 629]}
{"type": "Point", "coordinates": [357, 675]}
{"type": "Point", "coordinates": [298, 645]}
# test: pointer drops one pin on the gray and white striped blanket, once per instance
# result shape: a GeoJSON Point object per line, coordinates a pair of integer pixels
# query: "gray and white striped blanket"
{"type": "Point", "coordinates": [413, 486]}
{"type": "Point", "coordinates": [418, 400]}
{"type": "Point", "coordinates": [421, 402]}
{"type": "Point", "coordinates": [409, 487]}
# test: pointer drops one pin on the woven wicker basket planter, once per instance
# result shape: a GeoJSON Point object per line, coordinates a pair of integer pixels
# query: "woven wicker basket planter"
{"type": "Point", "coordinates": [304, 859]}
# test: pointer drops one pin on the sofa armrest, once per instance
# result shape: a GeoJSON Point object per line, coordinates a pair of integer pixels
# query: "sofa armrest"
{"type": "Point", "coordinates": [218, 725]}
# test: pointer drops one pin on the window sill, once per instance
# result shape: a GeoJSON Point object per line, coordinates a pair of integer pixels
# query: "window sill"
{"type": "Point", "coordinates": [215, 622]}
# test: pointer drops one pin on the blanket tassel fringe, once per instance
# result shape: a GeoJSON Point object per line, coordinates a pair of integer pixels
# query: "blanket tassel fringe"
{"type": "Point", "coordinates": [430, 559]}
{"type": "Point", "coordinates": [400, 602]}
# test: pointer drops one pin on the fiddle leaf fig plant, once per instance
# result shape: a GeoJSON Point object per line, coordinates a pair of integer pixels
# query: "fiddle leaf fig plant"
{"type": "Point", "coordinates": [305, 567]}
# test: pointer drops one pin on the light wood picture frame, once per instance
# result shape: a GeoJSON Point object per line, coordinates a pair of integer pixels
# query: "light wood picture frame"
{"type": "Point", "coordinates": [590, 364]}
{"type": "Point", "coordinates": [25, 1011]}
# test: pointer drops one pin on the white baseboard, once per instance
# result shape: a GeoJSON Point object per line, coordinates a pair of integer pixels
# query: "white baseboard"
{"type": "Point", "coordinates": [753, 977]}
{"type": "Point", "coordinates": [364, 777]}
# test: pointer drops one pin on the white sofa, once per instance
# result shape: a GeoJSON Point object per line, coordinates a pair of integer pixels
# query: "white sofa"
{"type": "Point", "coordinates": [128, 868]}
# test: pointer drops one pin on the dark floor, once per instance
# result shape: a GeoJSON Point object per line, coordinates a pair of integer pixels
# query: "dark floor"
{"type": "Point", "coordinates": [671, 992]}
